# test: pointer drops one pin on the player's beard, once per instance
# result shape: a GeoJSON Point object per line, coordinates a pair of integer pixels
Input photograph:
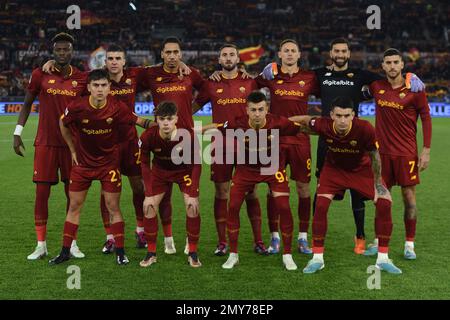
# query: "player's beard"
{"type": "Point", "coordinates": [229, 67]}
{"type": "Point", "coordinates": [340, 63]}
{"type": "Point", "coordinates": [392, 75]}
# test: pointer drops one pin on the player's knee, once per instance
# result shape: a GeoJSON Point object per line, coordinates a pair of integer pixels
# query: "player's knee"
{"type": "Point", "coordinates": [222, 190]}
{"type": "Point", "coordinates": [409, 196]}
{"type": "Point", "coordinates": [150, 211]}
{"type": "Point", "coordinates": [303, 189]}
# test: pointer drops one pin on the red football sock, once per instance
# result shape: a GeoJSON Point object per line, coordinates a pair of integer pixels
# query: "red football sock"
{"type": "Point", "coordinates": [193, 232]}
{"type": "Point", "coordinates": [383, 222]}
{"type": "Point", "coordinates": [105, 215]}
{"type": "Point", "coordinates": [220, 215]}
{"type": "Point", "coordinates": [286, 222]}
{"type": "Point", "coordinates": [165, 213]}
{"type": "Point", "coordinates": [320, 224]}
{"type": "Point", "coordinates": [304, 208]}
{"type": "Point", "coordinates": [70, 232]}
{"type": "Point", "coordinates": [410, 228]}
{"type": "Point", "coordinates": [118, 230]}
{"type": "Point", "coordinates": [41, 210]}
{"type": "Point", "coordinates": [272, 215]}
{"type": "Point", "coordinates": [233, 222]}
{"type": "Point", "coordinates": [151, 232]}
{"type": "Point", "coordinates": [138, 203]}
{"type": "Point", "coordinates": [254, 214]}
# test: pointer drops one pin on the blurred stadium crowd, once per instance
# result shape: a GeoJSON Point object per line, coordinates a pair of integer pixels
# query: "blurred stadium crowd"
{"type": "Point", "coordinates": [420, 29]}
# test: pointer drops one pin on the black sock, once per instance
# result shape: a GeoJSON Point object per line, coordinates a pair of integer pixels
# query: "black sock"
{"type": "Point", "coordinates": [120, 251]}
{"type": "Point", "coordinates": [65, 251]}
{"type": "Point", "coordinates": [314, 204]}
{"type": "Point", "coordinates": [358, 208]}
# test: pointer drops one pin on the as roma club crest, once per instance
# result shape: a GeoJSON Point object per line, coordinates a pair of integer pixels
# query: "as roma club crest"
{"type": "Point", "coordinates": [280, 82]}
{"type": "Point", "coordinates": [159, 79]}
{"type": "Point", "coordinates": [301, 83]}
{"type": "Point", "coordinates": [402, 95]}
{"type": "Point", "coordinates": [350, 75]}
{"type": "Point", "coordinates": [353, 143]}
{"type": "Point", "coordinates": [381, 91]}
{"type": "Point", "coordinates": [74, 83]}
{"type": "Point", "coordinates": [220, 90]}
{"type": "Point", "coordinates": [242, 89]}
{"type": "Point", "coordinates": [109, 120]}
{"type": "Point", "coordinates": [329, 140]}
{"type": "Point", "coordinates": [128, 81]}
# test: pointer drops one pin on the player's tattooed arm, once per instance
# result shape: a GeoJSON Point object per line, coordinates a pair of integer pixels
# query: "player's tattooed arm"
{"type": "Point", "coordinates": [67, 135]}
{"type": "Point", "coordinates": [145, 123]}
{"type": "Point", "coordinates": [303, 123]}
{"type": "Point", "coordinates": [380, 189]}
{"type": "Point", "coordinates": [210, 126]}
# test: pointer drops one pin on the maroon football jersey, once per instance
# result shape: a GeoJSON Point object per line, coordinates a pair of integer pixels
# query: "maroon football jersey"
{"type": "Point", "coordinates": [397, 111]}
{"type": "Point", "coordinates": [54, 93]}
{"type": "Point", "coordinates": [289, 97]}
{"type": "Point", "coordinates": [349, 151]}
{"type": "Point", "coordinates": [253, 144]}
{"type": "Point", "coordinates": [96, 130]}
{"type": "Point", "coordinates": [166, 86]}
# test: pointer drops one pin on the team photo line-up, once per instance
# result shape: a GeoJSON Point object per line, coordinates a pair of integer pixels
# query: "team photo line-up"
{"type": "Point", "coordinates": [86, 131]}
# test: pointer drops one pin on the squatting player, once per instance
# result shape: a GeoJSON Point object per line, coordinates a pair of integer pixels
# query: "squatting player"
{"type": "Point", "coordinates": [260, 129]}
{"type": "Point", "coordinates": [352, 162]}
{"type": "Point", "coordinates": [397, 111]}
{"type": "Point", "coordinates": [55, 92]}
{"type": "Point", "coordinates": [164, 142]}
{"type": "Point", "coordinates": [94, 121]}
{"type": "Point", "coordinates": [228, 99]}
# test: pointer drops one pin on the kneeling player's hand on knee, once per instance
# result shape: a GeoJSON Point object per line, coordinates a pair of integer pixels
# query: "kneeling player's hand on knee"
{"type": "Point", "coordinates": [148, 205]}
{"type": "Point", "coordinates": [192, 206]}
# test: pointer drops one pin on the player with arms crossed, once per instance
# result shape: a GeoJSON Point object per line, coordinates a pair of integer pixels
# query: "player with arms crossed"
{"type": "Point", "coordinates": [94, 121]}
{"type": "Point", "coordinates": [54, 92]}
{"type": "Point", "coordinates": [397, 111]}
{"type": "Point", "coordinates": [173, 162]}
{"type": "Point", "coordinates": [352, 162]}
{"type": "Point", "coordinates": [228, 99]}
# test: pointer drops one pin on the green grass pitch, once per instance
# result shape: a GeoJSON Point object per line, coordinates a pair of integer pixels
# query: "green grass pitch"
{"type": "Point", "coordinates": [257, 277]}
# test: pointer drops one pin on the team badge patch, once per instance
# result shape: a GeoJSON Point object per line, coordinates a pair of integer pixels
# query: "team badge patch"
{"type": "Point", "coordinates": [301, 83]}
{"type": "Point", "coordinates": [159, 79]}
{"type": "Point", "coordinates": [381, 92]}
{"type": "Point", "coordinates": [220, 90]}
{"type": "Point", "coordinates": [280, 82]}
{"type": "Point", "coordinates": [51, 81]}
{"type": "Point", "coordinates": [74, 83]}
{"type": "Point", "coordinates": [329, 140]}
{"type": "Point", "coordinates": [402, 95]}
{"type": "Point", "coordinates": [353, 143]}
{"type": "Point", "coordinates": [109, 120]}
{"type": "Point", "coordinates": [128, 81]}
{"type": "Point", "coordinates": [350, 75]}
{"type": "Point", "coordinates": [85, 121]}
{"type": "Point", "coordinates": [242, 89]}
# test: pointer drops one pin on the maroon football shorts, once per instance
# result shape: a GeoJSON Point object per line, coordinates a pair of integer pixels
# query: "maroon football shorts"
{"type": "Point", "coordinates": [130, 158]}
{"type": "Point", "coordinates": [161, 180]}
{"type": "Point", "coordinates": [82, 177]}
{"type": "Point", "coordinates": [399, 170]}
{"type": "Point", "coordinates": [47, 161]}
{"type": "Point", "coordinates": [244, 180]}
{"type": "Point", "coordinates": [298, 157]}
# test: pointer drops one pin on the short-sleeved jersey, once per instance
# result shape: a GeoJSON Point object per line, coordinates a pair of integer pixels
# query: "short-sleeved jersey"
{"type": "Point", "coordinates": [289, 97]}
{"type": "Point", "coordinates": [228, 97]}
{"type": "Point", "coordinates": [348, 151]}
{"type": "Point", "coordinates": [166, 86]}
{"type": "Point", "coordinates": [125, 90]}
{"type": "Point", "coordinates": [259, 141]}
{"type": "Point", "coordinates": [54, 93]}
{"type": "Point", "coordinates": [346, 83]}
{"type": "Point", "coordinates": [96, 130]}
{"type": "Point", "coordinates": [396, 112]}
{"type": "Point", "coordinates": [163, 149]}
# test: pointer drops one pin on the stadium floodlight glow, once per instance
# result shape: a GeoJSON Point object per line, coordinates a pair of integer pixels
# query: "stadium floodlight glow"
{"type": "Point", "coordinates": [132, 5]}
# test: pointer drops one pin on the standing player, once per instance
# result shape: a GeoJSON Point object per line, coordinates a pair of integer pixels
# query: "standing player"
{"type": "Point", "coordinates": [164, 141]}
{"type": "Point", "coordinates": [259, 129]}
{"type": "Point", "coordinates": [289, 92]}
{"type": "Point", "coordinates": [341, 80]}
{"type": "Point", "coordinates": [228, 98]}
{"type": "Point", "coordinates": [166, 85]}
{"type": "Point", "coordinates": [95, 121]}
{"type": "Point", "coordinates": [397, 110]}
{"type": "Point", "coordinates": [54, 92]}
{"type": "Point", "coordinates": [352, 162]}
